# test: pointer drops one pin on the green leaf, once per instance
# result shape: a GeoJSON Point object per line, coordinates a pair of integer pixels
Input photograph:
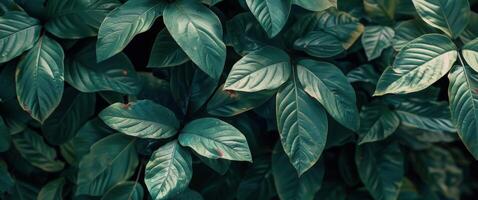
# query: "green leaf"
{"type": "Point", "coordinates": [52, 190]}
{"type": "Point", "coordinates": [6, 180]}
{"type": "Point", "coordinates": [74, 110]}
{"type": "Point", "coordinates": [218, 165]}
{"type": "Point", "coordinates": [245, 34]}
{"type": "Point", "coordinates": [168, 171]}
{"type": "Point", "coordinates": [409, 30]}
{"type": "Point", "coordinates": [88, 134]}
{"type": "Point", "coordinates": [258, 182]}
{"type": "Point", "coordinates": [143, 118]}
{"type": "Point", "coordinates": [375, 39]}
{"type": "Point", "coordinates": [122, 24]}
{"type": "Point", "coordinates": [319, 44]}
{"type": "Point", "coordinates": [328, 85]}
{"type": "Point", "coordinates": [32, 147]}
{"type": "Point", "coordinates": [5, 138]}
{"type": "Point", "coordinates": [364, 73]}
{"type": "Point", "coordinates": [381, 168]}
{"type": "Point", "coordinates": [381, 10]}
{"type": "Point", "coordinates": [302, 125]}
{"type": "Point", "coordinates": [166, 52]}
{"type": "Point", "coordinates": [470, 54]}
{"type": "Point", "coordinates": [39, 79]}
{"type": "Point", "coordinates": [76, 19]}
{"type": "Point", "coordinates": [377, 122]}
{"type": "Point", "coordinates": [290, 186]}
{"type": "Point", "coordinates": [265, 69]}
{"type": "Point", "coordinates": [431, 116]}
{"type": "Point", "coordinates": [213, 138]}
{"type": "Point", "coordinates": [111, 160]}
{"type": "Point", "coordinates": [198, 31]}
{"type": "Point", "coordinates": [414, 68]}
{"type": "Point", "coordinates": [471, 31]}
{"type": "Point", "coordinates": [126, 190]}
{"type": "Point", "coordinates": [272, 15]}
{"type": "Point", "coordinates": [188, 194]}
{"type": "Point", "coordinates": [23, 191]}
{"type": "Point", "coordinates": [18, 33]}
{"type": "Point", "coordinates": [313, 5]}
{"type": "Point", "coordinates": [115, 74]}
{"type": "Point", "coordinates": [463, 96]}
{"type": "Point", "coordinates": [450, 16]}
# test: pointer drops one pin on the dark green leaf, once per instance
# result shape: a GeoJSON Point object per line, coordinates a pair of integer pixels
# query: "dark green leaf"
{"type": "Point", "coordinates": [272, 15]}
{"type": "Point", "coordinates": [166, 52]}
{"type": "Point", "coordinates": [126, 190]}
{"type": "Point", "coordinates": [52, 190]}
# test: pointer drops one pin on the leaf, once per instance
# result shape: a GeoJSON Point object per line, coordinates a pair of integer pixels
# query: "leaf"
{"type": "Point", "coordinates": [18, 33]}
{"type": "Point", "coordinates": [74, 110]}
{"type": "Point", "coordinates": [431, 116]}
{"type": "Point", "coordinates": [375, 39]}
{"type": "Point", "coordinates": [198, 31]}
{"type": "Point", "coordinates": [272, 15]}
{"type": "Point", "coordinates": [409, 30]}
{"type": "Point", "coordinates": [220, 166]}
{"type": "Point", "coordinates": [319, 44]}
{"type": "Point", "coordinates": [471, 31]}
{"type": "Point", "coordinates": [32, 147]}
{"type": "Point", "coordinates": [23, 191]}
{"type": "Point", "coordinates": [166, 52]}
{"type": "Point", "coordinates": [313, 5]}
{"type": "Point", "coordinates": [381, 168]}
{"type": "Point", "coordinates": [5, 138]}
{"type": "Point", "coordinates": [377, 122]}
{"type": "Point", "coordinates": [364, 73]}
{"type": "Point", "coordinates": [450, 16]}
{"type": "Point", "coordinates": [52, 190]}
{"type": "Point", "coordinates": [168, 171]}
{"type": "Point", "coordinates": [188, 194]}
{"type": "Point", "coordinates": [126, 190]}
{"type": "Point", "coordinates": [141, 119]}
{"type": "Point", "coordinates": [122, 24]}
{"type": "Point", "coordinates": [381, 10]}
{"type": "Point", "coordinates": [470, 54]}
{"type": "Point", "coordinates": [213, 138]}
{"type": "Point", "coordinates": [463, 96]}
{"type": "Point", "coordinates": [6, 180]}
{"type": "Point", "coordinates": [302, 125]}
{"type": "Point", "coordinates": [39, 79]}
{"type": "Point", "coordinates": [290, 186]}
{"type": "Point", "coordinates": [88, 134]}
{"type": "Point", "coordinates": [115, 74]}
{"type": "Point", "coordinates": [245, 34]}
{"type": "Point", "coordinates": [265, 69]}
{"type": "Point", "coordinates": [76, 19]}
{"type": "Point", "coordinates": [258, 182]}
{"type": "Point", "coordinates": [328, 85]}
{"type": "Point", "coordinates": [111, 160]}
{"type": "Point", "coordinates": [414, 68]}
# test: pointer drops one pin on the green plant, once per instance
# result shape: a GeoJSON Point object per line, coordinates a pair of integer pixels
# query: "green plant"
{"type": "Point", "coordinates": [238, 99]}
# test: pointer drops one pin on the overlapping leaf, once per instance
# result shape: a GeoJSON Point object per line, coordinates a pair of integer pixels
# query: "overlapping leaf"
{"type": "Point", "coordinates": [18, 33]}
{"type": "Point", "coordinates": [272, 15]}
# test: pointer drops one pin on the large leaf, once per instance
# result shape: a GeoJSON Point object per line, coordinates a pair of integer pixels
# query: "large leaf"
{"type": "Point", "coordinates": [122, 24]}
{"type": "Point", "coordinates": [288, 184]}
{"type": "Point", "coordinates": [166, 52]}
{"type": "Point", "coordinates": [198, 32]}
{"type": "Point", "coordinates": [431, 116]}
{"type": "Point", "coordinates": [463, 96]}
{"type": "Point", "coordinates": [115, 74]}
{"type": "Point", "coordinates": [143, 118]}
{"type": "Point", "coordinates": [381, 169]}
{"type": "Point", "coordinates": [32, 147]}
{"type": "Point", "coordinates": [470, 53]}
{"type": "Point", "coordinates": [328, 85]}
{"type": "Point", "coordinates": [111, 160]}
{"type": "Point", "coordinates": [213, 138]}
{"type": "Point", "coordinates": [77, 18]}
{"type": "Point", "coordinates": [39, 79]}
{"type": "Point", "coordinates": [415, 67]}
{"type": "Point", "coordinates": [168, 171]}
{"type": "Point", "coordinates": [377, 122]}
{"type": "Point", "coordinates": [265, 69]}
{"type": "Point", "coordinates": [272, 15]}
{"type": "Point", "coordinates": [18, 33]}
{"type": "Point", "coordinates": [126, 190]}
{"type": "Point", "coordinates": [450, 16]}
{"type": "Point", "coordinates": [375, 39]}
{"type": "Point", "coordinates": [302, 124]}
{"type": "Point", "coordinates": [52, 190]}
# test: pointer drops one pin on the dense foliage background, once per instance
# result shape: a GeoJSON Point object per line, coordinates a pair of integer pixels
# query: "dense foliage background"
{"type": "Point", "coordinates": [238, 99]}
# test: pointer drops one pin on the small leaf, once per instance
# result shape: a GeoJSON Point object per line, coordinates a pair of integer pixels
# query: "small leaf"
{"type": "Point", "coordinates": [377, 122]}
{"type": "Point", "coordinates": [375, 39]}
{"type": "Point", "coordinates": [126, 190]}
{"type": "Point", "coordinates": [166, 52]}
{"type": "Point", "coordinates": [272, 15]}
{"type": "Point", "coordinates": [52, 190]}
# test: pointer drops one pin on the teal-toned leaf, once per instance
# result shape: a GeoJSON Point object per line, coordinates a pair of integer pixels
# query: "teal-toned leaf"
{"type": "Point", "coordinates": [110, 161]}
{"type": "Point", "coordinates": [166, 52]}
{"type": "Point", "coordinates": [431, 116]}
{"type": "Point", "coordinates": [377, 122]}
{"type": "Point", "coordinates": [88, 134]}
{"type": "Point", "coordinates": [143, 118]}
{"type": "Point", "coordinates": [381, 10]}
{"type": "Point", "coordinates": [463, 96]}
{"type": "Point", "coordinates": [319, 44]}
{"type": "Point", "coordinates": [7, 5]}
{"type": "Point", "coordinates": [258, 182]}
{"type": "Point", "coordinates": [126, 190]}
{"type": "Point", "coordinates": [168, 171]}
{"type": "Point", "coordinates": [381, 169]}
{"type": "Point", "coordinates": [213, 138]}
{"type": "Point", "coordinates": [115, 74]}
{"type": "Point", "coordinates": [5, 138]}
{"type": "Point", "coordinates": [364, 73]}
{"type": "Point", "coordinates": [375, 39]}
{"type": "Point", "coordinates": [32, 147]}
{"type": "Point", "coordinates": [328, 85]}
{"type": "Point", "coordinates": [211, 2]}
{"type": "Point", "coordinates": [414, 68]}
{"type": "Point", "coordinates": [39, 79]}
{"type": "Point", "coordinates": [123, 23]}
{"type": "Point", "coordinates": [450, 16]}
{"type": "Point", "coordinates": [302, 125]}
{"type": "Point", "coordinates": [409, 30]}
{"type": "Point", "coordinates": [52, 190]}
{"type": "Point", "coordinates": [74, 110]}
{"type": "Point", "coordinates": [23, 191]}
{"type": "Point", "coordinates": [218, 165]}
{"type": "Point", "coordinates": [18, 33]}
{"type": "Point", "coordinates": [198, 32]}
{"type": "Point", "coordinates": [291, 186]}
{"type": "Point", "coordinates": [314, 5]}
{"type": "Point", "coordinates": [245, 34]}
{"type": "Point", "coordinates": [265, 69]}
{"type": "Point", "coordinates": [75, 19]}
{"type": "Point", "coordinates": [470, 54]}
{"type": "Point", "coordinates": [272, 15]}
{"type": "Point", "coordinates": [471, 31]}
